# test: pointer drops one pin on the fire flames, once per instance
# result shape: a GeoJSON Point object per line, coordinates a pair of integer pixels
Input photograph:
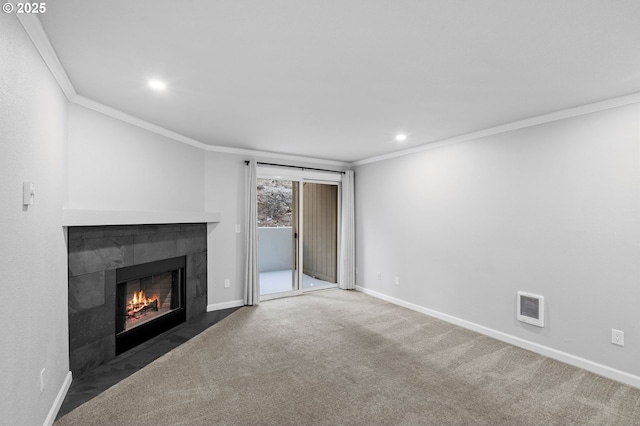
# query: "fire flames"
{"type": "Point", "coordinates": [140, 304]}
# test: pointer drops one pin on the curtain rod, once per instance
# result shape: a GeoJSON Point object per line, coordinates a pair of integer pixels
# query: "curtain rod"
{"type": "Point", "coordinates": [296, 167]}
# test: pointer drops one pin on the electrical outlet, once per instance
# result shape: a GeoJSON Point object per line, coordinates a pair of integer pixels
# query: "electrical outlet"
{"type": "Point", "coordinates": [397, 281]}
{"type": "Point", "coordinates": [617, 337]}
{"type": "Point", "coordinates": [227, 283]}
{"type": "Point", "coordinates": [379, 275]}
{"type": "Point", "coordinates": [42, 381]}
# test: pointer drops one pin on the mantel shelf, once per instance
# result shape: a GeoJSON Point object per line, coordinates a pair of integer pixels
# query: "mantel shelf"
{"type": "Point", "coordinates": [77, 217]}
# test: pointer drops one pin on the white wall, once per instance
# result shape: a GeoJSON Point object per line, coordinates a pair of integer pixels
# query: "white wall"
{"type": "Point", "coordinates": [114, 165]}
{"type": "Point", "coordinates": [224, 188]}
{"type": "Point", "coordinates": [552, 209]}
{"type": "Point", "coordinates": [33, 266]}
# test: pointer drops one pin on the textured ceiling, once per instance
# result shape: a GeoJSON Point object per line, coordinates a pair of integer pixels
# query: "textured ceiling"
{"type": "Point", "coordinates": [337, 79]}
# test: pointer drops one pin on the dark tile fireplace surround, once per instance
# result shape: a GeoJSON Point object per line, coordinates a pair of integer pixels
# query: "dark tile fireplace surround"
{"type": "Point", "coordinates": [96, 253]}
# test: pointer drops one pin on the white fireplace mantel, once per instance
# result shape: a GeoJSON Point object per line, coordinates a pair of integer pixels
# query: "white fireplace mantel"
{"type": "Point", "coordinates": [78, 217]}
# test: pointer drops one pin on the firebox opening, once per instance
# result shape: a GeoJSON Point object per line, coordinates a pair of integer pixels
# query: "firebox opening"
{"type": "Point", "coordinates": [150, 299]}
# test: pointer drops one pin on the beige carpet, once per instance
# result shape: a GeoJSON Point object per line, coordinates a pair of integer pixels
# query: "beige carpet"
{"type": "Point", "coordinates": [343, 358]}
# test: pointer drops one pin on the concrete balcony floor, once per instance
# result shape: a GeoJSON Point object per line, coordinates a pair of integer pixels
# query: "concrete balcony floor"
{"type": "Point", "coordinates": [280, 281]}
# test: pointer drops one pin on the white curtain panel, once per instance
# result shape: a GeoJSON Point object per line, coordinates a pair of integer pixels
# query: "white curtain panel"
{"type": "Point", "coordinates": [347, 240]}
{"type": "Point", "coordinates": [252, 274]}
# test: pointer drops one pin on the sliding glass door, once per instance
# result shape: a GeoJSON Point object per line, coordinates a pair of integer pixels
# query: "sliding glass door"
{"type": "Point", "coordinates": [278, 201]}
{"type": "Point", "coordinates": [320, 233]}
{"type": "Point", "coordinates": [298, 225]}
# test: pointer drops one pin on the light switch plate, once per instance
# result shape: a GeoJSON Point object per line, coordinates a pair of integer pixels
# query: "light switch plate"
{"type": "Point", "coordinates": [28, 193]}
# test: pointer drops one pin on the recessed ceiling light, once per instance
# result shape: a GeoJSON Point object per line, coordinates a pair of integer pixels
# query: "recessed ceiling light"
{"type": "Point", "coordinates": [157, 85]}
{"type": "Point", "coordinates": [401, 137]}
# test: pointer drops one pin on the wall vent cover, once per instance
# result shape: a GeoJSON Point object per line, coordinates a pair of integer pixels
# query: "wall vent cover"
{"type": "Point", "coordinates": [531, 308]}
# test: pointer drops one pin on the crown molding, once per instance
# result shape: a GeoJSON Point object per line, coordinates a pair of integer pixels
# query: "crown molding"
{"type": "Point", "coordinates": [39, 38]}
{"type": "Point", "coordinates": [516, 125]}
{"type": "Point", "coordinates": [278, 156]}
{"type": "Point", "coordinates": [33, 27]}
{"type": "Point", "coordinates": [135, 121]}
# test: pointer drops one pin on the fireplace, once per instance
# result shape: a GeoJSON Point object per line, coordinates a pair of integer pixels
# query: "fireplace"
{"type": "Point", "coordinates": [150, 299]}
{"type": "Point", "coordinates": [99, 262]}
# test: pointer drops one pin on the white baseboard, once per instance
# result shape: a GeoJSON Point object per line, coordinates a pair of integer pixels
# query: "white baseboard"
{"type": "Point", "coordinates": [225, 305]}
{"type": "Point", "coordinates": [57, 403]}
{"type": "Point", "coordinates": [594, 367]}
